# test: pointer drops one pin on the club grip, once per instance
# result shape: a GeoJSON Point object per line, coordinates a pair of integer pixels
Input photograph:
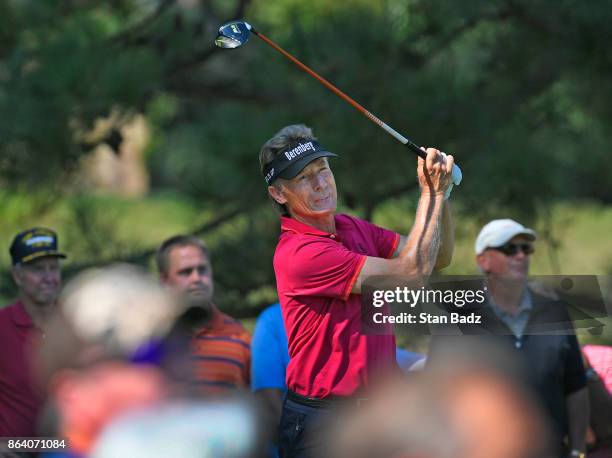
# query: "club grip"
{"type": "Point", "coordinates": [415, 148]}
{"type": "Point", "coordinates": [456, 173]}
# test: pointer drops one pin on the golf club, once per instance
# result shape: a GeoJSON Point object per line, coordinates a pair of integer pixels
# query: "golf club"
{"type": "Point", "coordinates": [236, 33]}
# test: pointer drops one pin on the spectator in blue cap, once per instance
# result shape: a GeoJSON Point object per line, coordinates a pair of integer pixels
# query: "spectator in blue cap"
{"type": "Point", "coordinates": [36, 271]}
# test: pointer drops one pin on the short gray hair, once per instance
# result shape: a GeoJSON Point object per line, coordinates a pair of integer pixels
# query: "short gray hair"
{"type": "Point", "coordinates": [163, 252]}
{"type": "Point", "coordinates": [281, 140]}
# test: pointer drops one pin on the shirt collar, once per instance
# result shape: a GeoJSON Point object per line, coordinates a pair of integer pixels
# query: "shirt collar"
{"type": "Point", "coordinates": [292, 225]}
{"type": "Point", "coordinates": [525, 305]}
{"type": "Point", "coordinates": [216, 320]}
{"type": "Point", "coordinates": [20, 316]}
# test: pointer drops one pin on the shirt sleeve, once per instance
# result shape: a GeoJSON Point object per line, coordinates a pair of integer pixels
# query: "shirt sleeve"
{"type": "Point", "coordinates": [386, 241]}
{"type": "Point", "coordinates": [323, 267]}
{"type": "Point", "coordinates": [269, 355]}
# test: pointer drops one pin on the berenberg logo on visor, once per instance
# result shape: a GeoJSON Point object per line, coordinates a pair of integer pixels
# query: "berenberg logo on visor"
{"type": "Point", "coordinates": [295, 156]}
{"type": "Point", "coordinates": [295, 152]}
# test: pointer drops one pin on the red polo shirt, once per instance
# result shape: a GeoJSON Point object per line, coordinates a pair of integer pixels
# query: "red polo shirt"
{"type": "Point", "coordinates": [20, 398]}
{"type": "Point", "coordinates": [315, 272]}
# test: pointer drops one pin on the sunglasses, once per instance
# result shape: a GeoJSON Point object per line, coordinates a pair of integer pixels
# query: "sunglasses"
{"type": "Point", "coordinates": [511, 249]}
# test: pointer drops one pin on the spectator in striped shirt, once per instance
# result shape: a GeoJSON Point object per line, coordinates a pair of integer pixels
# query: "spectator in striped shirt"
{"type": "Point", "coordinates": [220, 346]}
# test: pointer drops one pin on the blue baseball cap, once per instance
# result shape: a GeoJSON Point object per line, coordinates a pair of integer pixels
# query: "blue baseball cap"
{"type": "Point", "coordinates": [34, 243]}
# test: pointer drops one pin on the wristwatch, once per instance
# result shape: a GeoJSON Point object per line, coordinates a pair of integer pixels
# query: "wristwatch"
{"type": "Point", "coordinates": [577, 454]}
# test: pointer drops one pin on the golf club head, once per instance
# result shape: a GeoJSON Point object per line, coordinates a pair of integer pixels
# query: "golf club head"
{"type": "Point", "coordinates": [233, 34]}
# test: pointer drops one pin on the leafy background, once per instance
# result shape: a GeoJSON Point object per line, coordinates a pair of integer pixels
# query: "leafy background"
{"type": "Point", "coordinates": [519, 91]}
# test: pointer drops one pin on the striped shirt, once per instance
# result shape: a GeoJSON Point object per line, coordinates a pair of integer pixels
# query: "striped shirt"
{"type": "Point", "coordinates": [221, 351]}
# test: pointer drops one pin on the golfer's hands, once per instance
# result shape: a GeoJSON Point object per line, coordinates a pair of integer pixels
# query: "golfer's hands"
{"type": "Point", "coordinates": [434, 172]}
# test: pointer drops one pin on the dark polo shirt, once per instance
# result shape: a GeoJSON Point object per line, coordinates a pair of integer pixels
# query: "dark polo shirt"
{"type": "Point", "coordinates": [20, 399]}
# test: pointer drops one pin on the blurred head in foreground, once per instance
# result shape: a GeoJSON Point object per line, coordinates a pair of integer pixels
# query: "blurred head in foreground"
{"type": "Point", "coordinates": [470, 415]}
{"type": "Point", "coordinates": [193, 429]}
{"type": "Point", "coordinates": [104, 317]}
{"type": "Point", "coordinates": [106, 313]}
{"type": "Point", "coordinates": [464, 405]}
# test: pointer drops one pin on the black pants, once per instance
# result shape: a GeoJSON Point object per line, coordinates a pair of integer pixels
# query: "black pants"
{"type": "Point", "coordinates": [301, 433]}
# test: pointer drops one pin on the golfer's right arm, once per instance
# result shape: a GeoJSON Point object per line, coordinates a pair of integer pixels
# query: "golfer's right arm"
{"type": "Point", "coordinates": [418, 257]}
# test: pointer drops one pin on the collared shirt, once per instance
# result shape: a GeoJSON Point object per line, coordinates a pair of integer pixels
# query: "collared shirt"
{"type": "Point", "coordinates": [517, 321]}
{"type": "Point", "coordinates": [20, 397]}
{"type": "Point", "coordinates": [221, 351]}
{"type": "Point", "coordinates": [315, 273]}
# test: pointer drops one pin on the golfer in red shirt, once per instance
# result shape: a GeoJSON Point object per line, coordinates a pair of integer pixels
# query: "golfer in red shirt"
{"type": "Point", "coordinates": [321, 262]}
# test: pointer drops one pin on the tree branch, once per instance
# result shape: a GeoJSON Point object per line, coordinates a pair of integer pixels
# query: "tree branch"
{"type": "Point", "coordinates": [226, 91]}
{"type": "Point", "coordinates": [204, 54]}
{"type": "Point", "coordinates": [141, 256]}
{"type": "Point", "coordinates": [126, 36]}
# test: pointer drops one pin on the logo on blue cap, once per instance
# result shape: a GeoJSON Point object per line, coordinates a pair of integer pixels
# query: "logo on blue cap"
{"type": "Point", "coordinates": [34, 243]}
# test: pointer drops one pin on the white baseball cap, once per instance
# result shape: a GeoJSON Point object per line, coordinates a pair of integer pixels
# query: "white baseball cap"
{"type": "Point", "coordinates": [500, 231]}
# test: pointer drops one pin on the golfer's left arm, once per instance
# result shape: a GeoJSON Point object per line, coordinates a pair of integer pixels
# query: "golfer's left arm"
{"type": "Point", "coordinates": [577, 404]}
{"type": "Point", "coordinates": [447, 240]}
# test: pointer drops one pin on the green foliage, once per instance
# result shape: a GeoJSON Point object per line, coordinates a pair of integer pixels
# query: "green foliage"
{"type": "Point", "coordinates": [515, 86]}
{"type": "Point", "coordinates": [574, 238]}
{"type": "Point", "coordinates": [518, 91]}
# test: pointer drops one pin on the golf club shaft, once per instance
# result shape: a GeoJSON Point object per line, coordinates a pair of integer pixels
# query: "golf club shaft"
{"type": "Point", "coordinates": [399, 137]}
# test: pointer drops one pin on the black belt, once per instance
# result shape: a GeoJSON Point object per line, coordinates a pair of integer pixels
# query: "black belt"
{"type": "Point", "coordinates": [326, 403]}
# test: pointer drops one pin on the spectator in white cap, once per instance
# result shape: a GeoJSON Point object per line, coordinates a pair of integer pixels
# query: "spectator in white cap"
{"type": "Point", "coordinates": [553, 363]}
{"type": "Point", "coordinates": [503, 248]}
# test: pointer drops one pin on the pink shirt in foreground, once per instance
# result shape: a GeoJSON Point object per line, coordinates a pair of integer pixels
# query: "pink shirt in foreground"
{"type": "Point", "coordinates": [600, 358]}
{"type": "Point", "coordinates": [315, 272]}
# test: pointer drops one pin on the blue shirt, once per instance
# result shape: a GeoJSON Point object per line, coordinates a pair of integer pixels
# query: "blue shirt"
{"type": "Point", "coordinates": [270, 354]}
{"type": "Point", "coordinates": [406, 359]}
{"type": "Point", "coordinates": [269, 350]}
